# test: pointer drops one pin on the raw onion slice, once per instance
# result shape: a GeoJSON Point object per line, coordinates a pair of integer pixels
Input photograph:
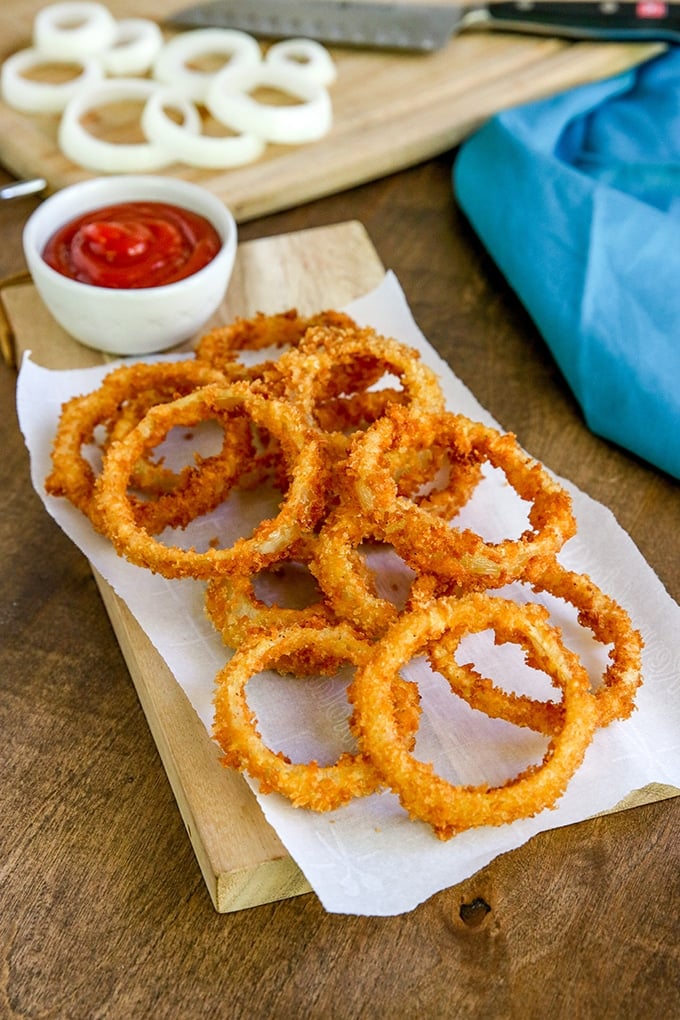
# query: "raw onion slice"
{"type": "Point", "coordinates": [73, 29]}
{"type": "Point", "coordinates": [172, 64]}
{"type": "Point", "coordinates": [94, 153]}
{"type": "Point", "coordinates": [194, 149]}
{"type": "Point", "coordinates": [304, 55]}
{"type": "Point", "coordinates": [137, 44]}
{"type": "Point", "coordinates": [305, 120]}
{"type": "Point", "coordinates": [31, 96]}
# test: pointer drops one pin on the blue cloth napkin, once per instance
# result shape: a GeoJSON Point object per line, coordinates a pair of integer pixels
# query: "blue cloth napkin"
{"type": "Point", "coordinates": [577, 199]}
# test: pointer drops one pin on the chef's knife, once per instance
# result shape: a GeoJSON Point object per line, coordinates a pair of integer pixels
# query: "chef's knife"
{"type": "Point", "coordinates": [410, 26]}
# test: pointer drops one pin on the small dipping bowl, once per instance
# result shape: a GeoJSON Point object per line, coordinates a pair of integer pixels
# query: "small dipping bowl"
{"type": "Point", "coordinates": [135, 321]}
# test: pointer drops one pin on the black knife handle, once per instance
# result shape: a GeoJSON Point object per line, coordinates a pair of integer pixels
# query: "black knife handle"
{"type": "Point", "coordinates": [646, 20]}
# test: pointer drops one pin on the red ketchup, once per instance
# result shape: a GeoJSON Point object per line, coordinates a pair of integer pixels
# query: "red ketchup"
{"type": "Point", "coordinates": [133, 245]}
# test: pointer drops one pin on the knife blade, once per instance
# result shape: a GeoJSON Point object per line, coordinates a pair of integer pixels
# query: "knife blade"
{"type": "Point", "coordinates": [429, 27]}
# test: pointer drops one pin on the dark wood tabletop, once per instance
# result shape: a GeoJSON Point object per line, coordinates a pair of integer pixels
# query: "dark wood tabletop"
{"type": "Point", "coordinates": [581, 922]}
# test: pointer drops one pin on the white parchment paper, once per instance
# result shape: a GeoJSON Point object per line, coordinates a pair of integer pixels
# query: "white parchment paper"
{"type": "Point", "coordinates": [369, 858]}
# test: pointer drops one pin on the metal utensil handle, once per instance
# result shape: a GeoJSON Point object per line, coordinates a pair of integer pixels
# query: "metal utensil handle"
{"type": "Point", "coordinates": [20, 188]}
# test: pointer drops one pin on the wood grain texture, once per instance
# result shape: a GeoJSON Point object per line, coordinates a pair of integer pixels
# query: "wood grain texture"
{"type": "Point", "coordinates": [390, 110]}
{"type": "Point", "coordinates": [103, 909]}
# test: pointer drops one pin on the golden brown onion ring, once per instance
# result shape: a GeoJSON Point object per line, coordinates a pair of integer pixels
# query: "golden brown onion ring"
{"type": "Point", "coordinates": [236, 612]}
{"type": "Point", "coordinates": [220, 346]}
{"type": "Point", "coordinates": [344, 576]}
{"type": "Point", "coordinates": [309, 785]}
{"type": "Point", "coordinates": [425, 541]}
{"type": "Point", "coordinates": [302, 505]}
{"type": "Point", "coordinates": [609, 623]}
{"type": "Point", "coordinates": [339, 567]}
{"type": "Point", "coordinates": [447, 807]}
{"type": "Point", "coordinates": [109, 406]}
{"type": "Point", "coordinates": [330, 362]}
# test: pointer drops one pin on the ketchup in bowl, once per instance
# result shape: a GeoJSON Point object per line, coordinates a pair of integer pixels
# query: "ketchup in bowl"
{"type": "Point", "coordinates": [133, 245]}
{"type": "Point", "coordinates": [131, 264]}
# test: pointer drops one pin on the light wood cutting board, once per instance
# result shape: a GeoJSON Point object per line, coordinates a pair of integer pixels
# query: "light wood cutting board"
{"type": "Point", "coordinates": [390, 110]}
{"type": "Point", "coordinates": [241, 858]}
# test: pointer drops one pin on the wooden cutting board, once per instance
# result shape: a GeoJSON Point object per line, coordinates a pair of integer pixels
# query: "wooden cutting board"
{"type": "Point", "coordinates": [390, 110]}
{"type": "Point", "coordinates": [241, 858]}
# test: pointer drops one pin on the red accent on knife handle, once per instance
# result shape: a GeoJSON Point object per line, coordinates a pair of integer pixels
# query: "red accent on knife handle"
{"type": "Point", "coordinates": [651, 9]}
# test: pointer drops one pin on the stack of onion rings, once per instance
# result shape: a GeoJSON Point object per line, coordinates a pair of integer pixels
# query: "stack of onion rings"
{"type": "Point", "coordinates": [350, 431]}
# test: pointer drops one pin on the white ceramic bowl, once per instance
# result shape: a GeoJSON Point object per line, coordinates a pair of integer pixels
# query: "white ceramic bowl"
{"type": "Point", "coordinates": [135, 321]}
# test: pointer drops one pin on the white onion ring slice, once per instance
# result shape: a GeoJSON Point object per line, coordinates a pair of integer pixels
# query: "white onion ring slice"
{"type": "Point", "coordinates": [171, 65]}
{"type": "Point", "coordinates": [68, 30]}
{"type": "Point", "coordinates": [31, 96]}
{"type": "Point", "coordinates": [93, 153]}
{"type": "Point", "coordinates": [137, 44]}
{"type": "Point", "coordinates": [304, 121]}
{"type": "Point", "coordinates": [307, 56]}
{"type": "Point", "coordinates": [195, 149]}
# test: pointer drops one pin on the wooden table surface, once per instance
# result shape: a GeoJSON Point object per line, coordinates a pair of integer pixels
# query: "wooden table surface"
{"type": "Point", "coordinates": [579, 923]}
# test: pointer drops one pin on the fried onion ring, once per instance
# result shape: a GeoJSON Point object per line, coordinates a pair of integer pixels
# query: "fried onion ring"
{"type": "Point", "coordinates": [234, 609]}
{"type": "Point", "coordinates": [309, 785]}
{"type": "Point", "coordinates": [609, 623]}
{"type": "Point", "coordinates": [301, 507]}
{"type": "Point", "coordinates": [425, 541]}
{"type": "Point", "coordinates": [129, 388]}
{"type": "Point", "coordinates": [450, 808]}
{"type": "Point", "coordinates": [337, 564]}
{"type": "Point", "coordinates": [344, 576]}
{"type": "Point", "coordinates": [331, 361]}
{"type": "Point", "coordinates": [221, 346]}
